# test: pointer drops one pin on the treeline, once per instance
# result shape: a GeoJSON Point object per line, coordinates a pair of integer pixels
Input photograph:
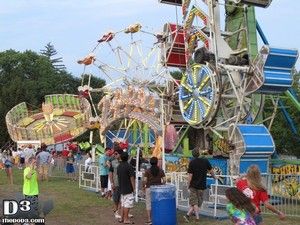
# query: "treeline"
{"type": "Point", "coordinates": [29, 76]}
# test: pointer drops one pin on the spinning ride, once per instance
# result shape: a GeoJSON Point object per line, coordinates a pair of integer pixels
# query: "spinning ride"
{"type": "Point", "coordinates": [63, 117]}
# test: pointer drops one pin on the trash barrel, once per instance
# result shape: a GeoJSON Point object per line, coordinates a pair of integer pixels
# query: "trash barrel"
{"type": "Point", "coordinates": [163, 204]}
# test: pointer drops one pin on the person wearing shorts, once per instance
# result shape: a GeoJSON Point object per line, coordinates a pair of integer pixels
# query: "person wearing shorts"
{"type": "Point", "coordinates": [43, 159]}
{"type": "Point", "coordinates": [127, 187]}
{"type": "Point", "coordinates": [197, 174]}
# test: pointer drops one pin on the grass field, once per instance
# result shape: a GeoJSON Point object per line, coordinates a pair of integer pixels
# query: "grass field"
{"type": "Point", "coordinates": [74, 206]}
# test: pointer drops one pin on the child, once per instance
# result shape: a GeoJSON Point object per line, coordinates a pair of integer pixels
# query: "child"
{"type": "Point", "coordinates": [70, 166]}
{"type": "Point", "coordinates": [240, 209]}
{"type": "Point", "coordinates": [251, 185]}
{"type": "Point", "coordinates": [31, 187]}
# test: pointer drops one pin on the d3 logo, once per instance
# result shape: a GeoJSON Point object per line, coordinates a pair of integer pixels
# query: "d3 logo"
{"type": "Point", "coordinates": [11, 207]}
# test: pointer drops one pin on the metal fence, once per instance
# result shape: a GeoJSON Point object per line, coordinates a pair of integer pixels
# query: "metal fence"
{"type": "Point", "coordinates": [283, 190]}
{"type": "Point", "coordinates": [58, 167]}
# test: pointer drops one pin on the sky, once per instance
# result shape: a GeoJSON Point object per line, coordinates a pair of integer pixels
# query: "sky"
{"type": "Point", "coordinates": [74, 26]}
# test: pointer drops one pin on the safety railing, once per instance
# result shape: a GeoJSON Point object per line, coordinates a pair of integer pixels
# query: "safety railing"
{"type": "Point", "coordinates": [283, 190]}
{"type": "Point", "coordinates": [284, 193]}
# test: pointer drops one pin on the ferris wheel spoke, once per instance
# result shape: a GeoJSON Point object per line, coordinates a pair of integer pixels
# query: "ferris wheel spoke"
{"type": "Point", "coordinates": [189, 89]}
{"type": "Point", "coordinates": [188, 104]}
{"type": "Point", "coordinates": [186, 97]}
{"type": "Point", "coordinates": [130, 58]}
{"type": "Point", "coordinates": [202, 109]}
{"type": "Point", "coordinates": [196, 113]}
{"type": "Point", "coordinates": [194, 78]}
{"type": "Point", "coordinates": [190, 80]}
{"type": "Point", "coordinates": [189, 110]}
{"type": "Point", "coordinates": [205, 101]}
{"type": "Point", "coordinates": [140, 52]}
{"type": "Point", "coordinates": [203, 83]}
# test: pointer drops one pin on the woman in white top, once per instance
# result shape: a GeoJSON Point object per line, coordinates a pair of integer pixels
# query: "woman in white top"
{"type": "Point", "coordinates": [88, 162]}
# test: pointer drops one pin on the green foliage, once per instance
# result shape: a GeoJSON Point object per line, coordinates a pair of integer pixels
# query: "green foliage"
{"type": "Point", "coordinates": [50, 52]}
{"type": "Point", "coordinates": [28, 77]}
{"type": "Point", "coordinates": [287, 142]}
{"type": "Point", "coordinates": [176, 74]}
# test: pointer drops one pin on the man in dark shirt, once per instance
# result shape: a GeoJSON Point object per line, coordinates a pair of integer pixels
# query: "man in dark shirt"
{"type": "Point", "coordinates": [127, 187]}
{"type": "Point", "coordinates": [197, 174]}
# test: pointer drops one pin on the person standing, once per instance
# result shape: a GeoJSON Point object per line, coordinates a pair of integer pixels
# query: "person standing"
{"type": "Point", "coordinates": [7, 160]}
{"type": "Point", "coordinates": [15, 155]}
{"type": "Point", "coordinates": [29, 152]}
{"type": "Point", "coordinates": [127, 187]}
{"type": "Point", "coordinates": [103, 171]}
{"type": "Point", "coordinates": [88, 162]}
{"type": "Point", "coordinates": [113, 177]}
{"type": "Point", "coordinates": [30, 186]}
{"type": "Point", "coordinates": [43, 161]}
{"type": "Point", "coordinates": [142, 160]}
{"type": "Point", "coordinates": [197, 174]}
{"type": "Point", "coordinates": [251, 185]}
{"type": "Point", "coordinates": [70, 166]}
{"type": "Point", "coordinates": [22, 158]}
{"type": "Point", "coordinates": [153, 176]}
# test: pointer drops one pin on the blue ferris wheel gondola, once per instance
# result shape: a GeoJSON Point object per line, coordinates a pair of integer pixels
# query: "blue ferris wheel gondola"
{"type": "Point", "coordinates": [197, 95]}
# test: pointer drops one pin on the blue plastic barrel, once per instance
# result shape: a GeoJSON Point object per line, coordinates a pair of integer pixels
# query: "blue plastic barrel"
{"type": "Point", "coordinates": [163, 204]}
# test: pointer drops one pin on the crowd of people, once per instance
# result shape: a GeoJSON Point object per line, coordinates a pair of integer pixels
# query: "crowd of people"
{"type": "Point", "coordinates": [117, 181]}
{"type": "Point", "coordinates": [45, 159]}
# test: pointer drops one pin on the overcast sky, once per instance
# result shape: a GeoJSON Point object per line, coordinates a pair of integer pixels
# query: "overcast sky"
{"type": "Point", "coordinates": [73, 26]}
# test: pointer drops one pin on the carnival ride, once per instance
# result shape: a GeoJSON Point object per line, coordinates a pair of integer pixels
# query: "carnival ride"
{"type": "Point", "coordinates": [226, 80]}
{"type": "Point", "coordinates": [131, 109]}
{"type": "Point", "coordinates": [63, 117]}
{"type": "Point", "coordinates": [225, 83]}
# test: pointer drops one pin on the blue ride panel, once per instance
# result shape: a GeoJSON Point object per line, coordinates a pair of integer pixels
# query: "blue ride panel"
{"type": "Point", "coordinates": [277, 69]}
{"type": "Point", "coordinates": [262, 163]}
{"type": "Point", "coordinates": [256, 140]}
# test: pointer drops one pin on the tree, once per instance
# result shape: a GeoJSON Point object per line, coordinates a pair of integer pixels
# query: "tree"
{"type": "Point", "coordinates": [50, 52]}
{"type": "Point", "coordinates": [28, 77]}
{"type": "Point", "coordinates": [286, 142]}
{"type": "Point", "coordinates": [177, 74]}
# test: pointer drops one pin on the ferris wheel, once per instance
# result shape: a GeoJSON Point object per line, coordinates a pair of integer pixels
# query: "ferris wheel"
{"type": "Point", "coordinates": [226, 80]}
